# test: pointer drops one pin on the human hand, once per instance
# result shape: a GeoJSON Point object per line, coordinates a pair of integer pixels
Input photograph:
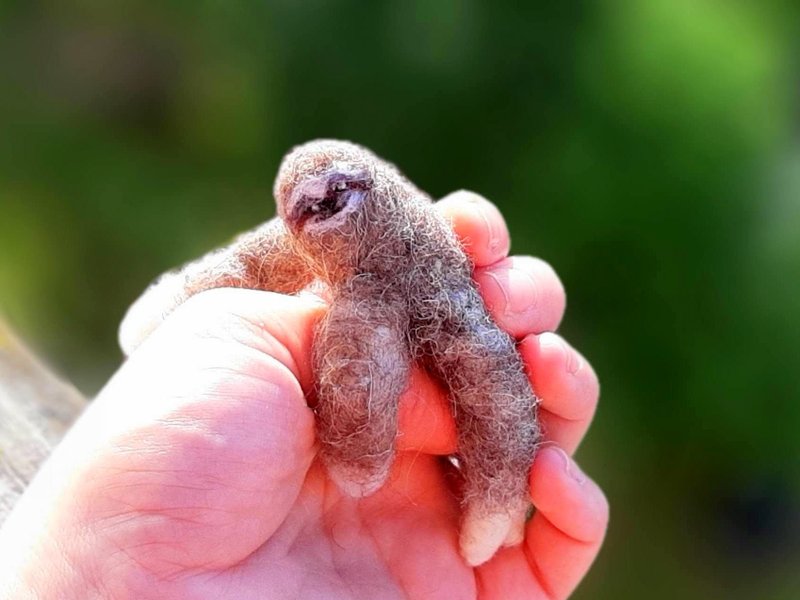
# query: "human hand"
{"type": "Point", "coordinates": [192, 475]}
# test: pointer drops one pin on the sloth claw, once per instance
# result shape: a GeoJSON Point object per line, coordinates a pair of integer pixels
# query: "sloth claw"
{"type": "Point", "coordinates": [516, 532]}
{"type": "Point", "coordinates": [357, 483]}
{"type": "Point", "coordinates": [482, 535]}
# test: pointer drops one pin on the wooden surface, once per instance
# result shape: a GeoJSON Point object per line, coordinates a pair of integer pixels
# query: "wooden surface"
{"type": "Point", "coordinates": [36, 408]}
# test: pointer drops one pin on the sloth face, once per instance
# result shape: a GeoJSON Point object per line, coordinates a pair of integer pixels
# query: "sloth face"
{"type": "Point", "coordinates": [325, 202]}
{"type": "Point", "coordinates": [328, 194]}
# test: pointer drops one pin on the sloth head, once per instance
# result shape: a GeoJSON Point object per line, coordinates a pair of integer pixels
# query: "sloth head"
{"type": "Point", "coordinates": [322, 186]}
{"type": "Point", "coordinates": [338, 200]}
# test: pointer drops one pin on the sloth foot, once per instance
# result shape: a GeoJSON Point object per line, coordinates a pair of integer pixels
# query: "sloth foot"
{"type": "Point", "coordinates": [357, 483]}
{"type": "Point", "coordinates": [483, 533]}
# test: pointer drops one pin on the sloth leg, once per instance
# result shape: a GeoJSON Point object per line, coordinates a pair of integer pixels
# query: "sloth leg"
{"type": "Point", "coordinates": [498, 431]}
{"type": "Point", "coordinates": [362, 365]}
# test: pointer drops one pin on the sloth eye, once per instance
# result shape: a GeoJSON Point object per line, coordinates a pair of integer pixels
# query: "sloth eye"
{"type": "Point", "coordinates": [339, 186]}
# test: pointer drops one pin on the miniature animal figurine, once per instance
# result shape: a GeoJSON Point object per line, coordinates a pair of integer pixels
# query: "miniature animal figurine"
{"type": "Point", "coordinates": [401, 292]}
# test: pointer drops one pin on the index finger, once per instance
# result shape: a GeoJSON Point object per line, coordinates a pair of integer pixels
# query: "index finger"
{"type": "Point", "coordinates": [479, 226]}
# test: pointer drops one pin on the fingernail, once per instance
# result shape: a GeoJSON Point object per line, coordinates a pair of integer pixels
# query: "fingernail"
{"type": "Point", "coordinates": [311, 296]}
{"type": "Point", "coordinates": [570, 468]}
{"type": "Point", "coordinates": [572, 360]}
{"type": "Point", "coordinates": [497, 243]}
{"type": "Point", "coordinates": [524, 293]}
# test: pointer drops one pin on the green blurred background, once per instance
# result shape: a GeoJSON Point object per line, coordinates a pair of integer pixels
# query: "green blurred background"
{"type": "Point", "coordinates": [648, 149]}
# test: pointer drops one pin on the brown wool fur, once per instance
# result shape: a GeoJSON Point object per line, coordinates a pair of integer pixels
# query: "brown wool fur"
{"type": "Point", "coordinates": [401, 292]}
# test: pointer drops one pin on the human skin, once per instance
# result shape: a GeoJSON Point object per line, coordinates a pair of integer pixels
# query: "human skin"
{"type": "Point", "coordinates": [193, 474]}
{"type": "Point", "coordinates": [401, 294]}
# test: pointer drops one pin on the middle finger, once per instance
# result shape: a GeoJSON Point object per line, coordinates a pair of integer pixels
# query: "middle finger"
{"type": "Point", "coordinates": [562, 378]}
{"type": "Point", "coordinates": [523, 294]}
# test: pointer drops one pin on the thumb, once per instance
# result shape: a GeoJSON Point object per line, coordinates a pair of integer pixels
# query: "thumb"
{"type": "Point", "coordinates": [198, 446]}
{"type": "Point", "coordinates": [274, 325]}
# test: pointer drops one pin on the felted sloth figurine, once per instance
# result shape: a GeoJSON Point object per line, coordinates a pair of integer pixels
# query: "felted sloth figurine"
{"type": "Point", "coordinates": [401, 292]}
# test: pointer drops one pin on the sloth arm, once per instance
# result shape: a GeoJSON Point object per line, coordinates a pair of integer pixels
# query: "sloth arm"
{"type": "Point", "coordinates": [495, 413]}
{"type": "Point", "coordinates": [261, 259]}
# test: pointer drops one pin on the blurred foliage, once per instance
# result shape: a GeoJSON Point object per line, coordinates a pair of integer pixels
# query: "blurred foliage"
{"type": "Point", "coordinates": [647, 149]}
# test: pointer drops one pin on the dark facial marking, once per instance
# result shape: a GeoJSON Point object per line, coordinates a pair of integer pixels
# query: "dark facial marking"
{"type": "Point", "coordinates": [338, 192]}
